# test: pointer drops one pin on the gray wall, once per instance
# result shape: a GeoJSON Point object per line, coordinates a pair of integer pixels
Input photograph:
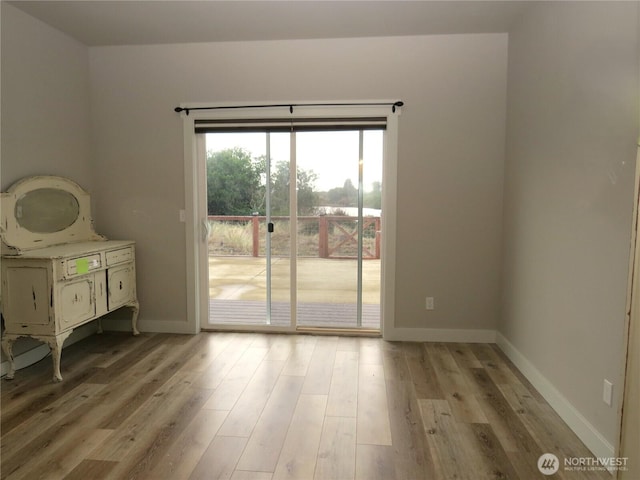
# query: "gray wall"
{"type": "Point", "coordinates": [572, 123]}
{"type": "Point", "coordinates": [45, 108]}
{"type": "Point", "coordinates": [45, 102]}
{"type": "Point", "coordinates": [449, 167]}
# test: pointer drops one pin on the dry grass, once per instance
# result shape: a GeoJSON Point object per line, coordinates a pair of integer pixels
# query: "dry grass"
{"type": "Point", "coordinates": [230, 238]}
{"type": "Point", "coordinates": [236, 238]}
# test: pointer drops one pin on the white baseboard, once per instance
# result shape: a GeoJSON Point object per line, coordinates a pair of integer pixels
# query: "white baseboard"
{"type": "Point", "coordinates": [439, 335]}
{"type": "Point", "coordinates": [593, 439]}
{"type": "Point", "coordinates": [155, 326]}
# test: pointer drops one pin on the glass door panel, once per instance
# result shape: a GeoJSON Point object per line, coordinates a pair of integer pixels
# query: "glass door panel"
{"type": "Point", "coordinates": [333, 236]}
{"type": "Point", "coordinates": [240, 261]}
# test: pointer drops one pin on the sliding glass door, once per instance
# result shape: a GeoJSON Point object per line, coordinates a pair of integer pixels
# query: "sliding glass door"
{"type": "Point", "coordinates": [294, 228]}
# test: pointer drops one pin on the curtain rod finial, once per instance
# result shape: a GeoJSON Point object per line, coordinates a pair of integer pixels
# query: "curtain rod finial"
{"type": "Point", "coordinates": [180, 109]}
{"type": "Point", "coordinates": [399, 103]}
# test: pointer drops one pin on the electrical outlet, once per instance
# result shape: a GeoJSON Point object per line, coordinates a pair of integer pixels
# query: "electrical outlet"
{"type": "Point", "coordinates": [429, 303]}
{"type": "Point", "coordinates": [607, 392]}
{"type": "Point", "coordinates": [182, 216]}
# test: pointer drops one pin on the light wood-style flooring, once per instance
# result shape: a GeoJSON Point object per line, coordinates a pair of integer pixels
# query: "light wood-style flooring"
{"type": "Point", "coordinates": [264, 407]}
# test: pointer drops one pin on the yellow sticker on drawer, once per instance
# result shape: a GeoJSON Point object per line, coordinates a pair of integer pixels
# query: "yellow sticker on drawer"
{"type": "Point", "coordinates": [82, 265]}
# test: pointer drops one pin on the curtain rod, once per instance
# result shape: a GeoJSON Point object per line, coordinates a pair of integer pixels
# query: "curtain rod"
{"type": "Point", "coordinates": [393, 106]}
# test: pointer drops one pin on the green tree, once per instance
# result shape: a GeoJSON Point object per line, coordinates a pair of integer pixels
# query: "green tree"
{"type": "Point", "coordinates": [307, 197]}
{"type": "Point", "coordinates": [345, 196]}
{"type": "Point", "coordinates": [373, 198]}
{"type": "Point", "coordinates": [234, 185]}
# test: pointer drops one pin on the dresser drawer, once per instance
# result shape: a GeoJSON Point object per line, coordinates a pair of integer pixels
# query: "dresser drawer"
{"type": "Point", "coordinates": [82, 265]}
{"type": "Point", "coordinates": [121, 255]}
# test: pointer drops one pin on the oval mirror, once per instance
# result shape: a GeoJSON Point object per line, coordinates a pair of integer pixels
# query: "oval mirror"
{"type": "Point", "coordinates": [47, 210]}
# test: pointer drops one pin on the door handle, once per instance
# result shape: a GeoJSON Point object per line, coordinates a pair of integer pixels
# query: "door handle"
{"type": "Point", "coordinates": [206, 230]}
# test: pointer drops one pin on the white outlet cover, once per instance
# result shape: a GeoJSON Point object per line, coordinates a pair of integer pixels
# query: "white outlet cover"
{"type": "Point", "coordinates": [607, 392]}
{"type": "Point", "coordinates": [429, 303]}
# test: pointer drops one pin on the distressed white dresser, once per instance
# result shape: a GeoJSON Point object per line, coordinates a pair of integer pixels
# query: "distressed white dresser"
{"type": "Point", "coordinates": [57, 273]}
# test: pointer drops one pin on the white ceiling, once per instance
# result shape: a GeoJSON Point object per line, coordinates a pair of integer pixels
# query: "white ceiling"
{"type": "Point", "coordinates": [133, 22]}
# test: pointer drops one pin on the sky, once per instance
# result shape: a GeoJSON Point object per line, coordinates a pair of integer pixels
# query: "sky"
{"type": "Point", "coordinates": [333, 156]}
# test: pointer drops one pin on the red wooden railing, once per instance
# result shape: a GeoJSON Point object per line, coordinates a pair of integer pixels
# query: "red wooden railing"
{"type": "Point", "coordinates": [343, 230]}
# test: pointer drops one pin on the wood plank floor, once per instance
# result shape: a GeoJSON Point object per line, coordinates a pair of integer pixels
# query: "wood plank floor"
{"type": "Point", "coordinates": [264, 407]}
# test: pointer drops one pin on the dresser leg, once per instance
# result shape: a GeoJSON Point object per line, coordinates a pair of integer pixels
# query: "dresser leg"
{"type": "Point", "coordinates": [7, 347]}
{"type": "Point", "coordinates": [135, 310]}
{"type": "Point", "coordinates": [56, 352]}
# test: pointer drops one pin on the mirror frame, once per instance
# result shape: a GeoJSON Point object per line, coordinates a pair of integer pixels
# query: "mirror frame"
{"type": "Point", "coordinates": [16, 238]}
